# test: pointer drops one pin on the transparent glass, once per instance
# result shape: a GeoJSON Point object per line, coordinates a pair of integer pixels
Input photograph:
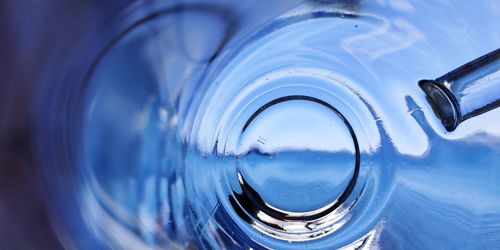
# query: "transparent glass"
{"type": "Point", "coordinates": [272, 124]}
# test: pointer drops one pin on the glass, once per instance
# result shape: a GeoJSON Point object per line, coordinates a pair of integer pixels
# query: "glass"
{"type": "Point", "coordinates": [270, 124]}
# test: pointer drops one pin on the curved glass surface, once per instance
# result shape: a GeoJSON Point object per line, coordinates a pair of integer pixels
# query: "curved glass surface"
{"type": "Point", "coordinates": [279, 125]}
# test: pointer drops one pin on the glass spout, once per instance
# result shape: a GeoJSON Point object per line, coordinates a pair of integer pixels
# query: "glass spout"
{"type": "Point", "coordinates": [468, 91]}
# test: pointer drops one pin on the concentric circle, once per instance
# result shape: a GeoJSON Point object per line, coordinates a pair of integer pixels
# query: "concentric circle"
{"type": "Point", "coordinates": [303, 150]}
{"type": "Point", "coordinates": [295, 176]}
{"type": "Point", "coordinates": [293, 140]}
{"type": "Point", "coordinates": [295, 194]}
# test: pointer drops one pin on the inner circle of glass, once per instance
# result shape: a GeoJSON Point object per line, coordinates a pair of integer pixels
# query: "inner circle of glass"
{"type": "Point", "coordinates": [301, 164]}
{"type": "Point", "coordinates": [301, 154]}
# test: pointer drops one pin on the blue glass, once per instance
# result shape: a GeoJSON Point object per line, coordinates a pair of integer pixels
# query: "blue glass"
{"type": "Point", "coordinates": [281, 125]}
{"type": "Point", "coordinates": [467, 91]}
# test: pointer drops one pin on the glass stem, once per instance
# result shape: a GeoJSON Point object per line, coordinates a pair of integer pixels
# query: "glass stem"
{"type": "Point", "coordinates": [468, 91]}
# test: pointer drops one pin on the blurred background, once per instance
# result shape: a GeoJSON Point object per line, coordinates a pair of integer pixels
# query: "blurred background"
{"type": "Point", "coordinates": [34, 34]}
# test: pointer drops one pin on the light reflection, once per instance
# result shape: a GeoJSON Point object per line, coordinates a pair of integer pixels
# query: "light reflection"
{"type": "Point", "coordinates": [156, 98]}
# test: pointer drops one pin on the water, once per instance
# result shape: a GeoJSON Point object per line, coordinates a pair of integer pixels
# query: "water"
{"type": "Point", "coordinates": [301, 126]}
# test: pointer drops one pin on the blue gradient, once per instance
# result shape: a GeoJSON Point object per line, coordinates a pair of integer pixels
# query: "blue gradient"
{"type": "Point", "coordinates": [282, 125]}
